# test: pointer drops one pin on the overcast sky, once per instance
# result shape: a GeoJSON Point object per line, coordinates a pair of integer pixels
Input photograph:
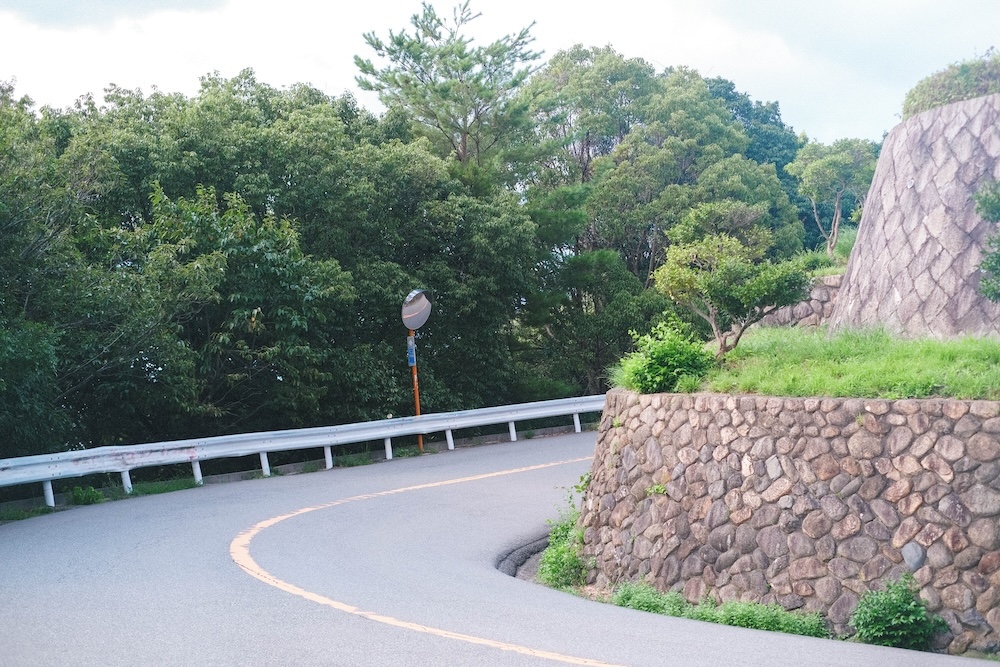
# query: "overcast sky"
{"type": "Point", "coordinates": [838, 68]}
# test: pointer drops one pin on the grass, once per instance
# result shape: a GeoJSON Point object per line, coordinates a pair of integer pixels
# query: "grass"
{"type": "Point", "coordinates": [861, 364]}
{"type": "Point", "coordinates": [561, 565]}
{"type": "Point", "coordinates": [21, 514]}
{"type": "Point", "coordinates": [151, 488]}
{"type": "Point", "coordinates": [351, 460]}
{"type": "Point", "coordinates": [754, 615]}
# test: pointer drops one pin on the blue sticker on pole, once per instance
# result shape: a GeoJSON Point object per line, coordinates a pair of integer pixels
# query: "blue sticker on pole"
{"type": "Point", "coordinates": [411, 351]}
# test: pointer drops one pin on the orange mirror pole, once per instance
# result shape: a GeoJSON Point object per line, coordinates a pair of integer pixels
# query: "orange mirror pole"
{"type": "Point", "coordinates": [416, 386]}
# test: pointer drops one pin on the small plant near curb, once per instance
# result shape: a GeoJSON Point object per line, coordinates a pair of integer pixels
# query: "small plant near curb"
{"type": "Point", "coordinates": [896, 617]}
{"type": "Point", "coordinates": [561, 564]}
{"type": "Point", "coordinates": [753, 615]}
{"type": "Point", "coordinates": [86, 495]}
{"type": "Point", "coordinates": [351, 460]}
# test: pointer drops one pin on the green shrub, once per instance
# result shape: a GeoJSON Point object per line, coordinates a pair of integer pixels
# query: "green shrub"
{"type": "Point", "coordinates": [662, 358]}
{"type": "Point", "coordinates": [646, 598]}
{"type": "Point", "coordinates": [896, 617]}
{"type": "Point", "coordinates": [561, 565]}
{"type": "Point", "coordinates": [87, 495]}
{"type": "Point", "coordinates": [771, 617]}
{"type": "Point", "coordinates": [845, 244]}
{"type": "Point", "coordinates": [957, 82]}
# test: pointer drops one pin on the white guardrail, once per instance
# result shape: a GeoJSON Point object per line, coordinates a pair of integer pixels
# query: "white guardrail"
{"type": "Point", "coordinates": [45, 468]}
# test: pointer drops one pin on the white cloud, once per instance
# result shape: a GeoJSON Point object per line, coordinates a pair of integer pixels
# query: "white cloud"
{"type": "Point", "coordinates": [837, 69]}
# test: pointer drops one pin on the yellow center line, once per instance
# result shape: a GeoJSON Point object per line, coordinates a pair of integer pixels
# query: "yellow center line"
{"type": "Point", "coordinates": [239, 550]}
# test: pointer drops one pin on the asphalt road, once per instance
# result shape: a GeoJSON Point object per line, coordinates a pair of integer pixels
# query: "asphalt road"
{"type": "Point", "coordinates": [388, 564]}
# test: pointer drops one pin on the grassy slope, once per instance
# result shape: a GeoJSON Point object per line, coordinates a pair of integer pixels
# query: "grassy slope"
{"type": "Point", "coordinates": [863, 364]}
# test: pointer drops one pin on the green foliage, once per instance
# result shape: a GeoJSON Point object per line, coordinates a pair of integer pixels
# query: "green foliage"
{"type": "Point", "coordinates": [86, 495]}
{"type": "Point", "coordinates": [988, 206]}
{"type": "Point", "coordinates": [464, 97]}
{"type": "Point", "coordinates": [352, 460]}
{"type": "Point", "coordinates": [864, 363]}
{"type": "Point", "coordinates": [752, 615]}
{"type": "Point", "coordinates": [656, 490]}
{"type": "Point", "coordinates": [646, 598]}
{"type": "Point", "coordinates": [896, 617]}
{"type": "Point", "coordinates": [662, 357]}
{"type": "Point", "coordinates": [957, 82]}
{"type": "Point", "coordinates": [729, 285]}
{"type": "Point", "coordinates": [845, 244]}
{"type": "Point", "coordinates": [22, 514]}
{"type": "Point", "coordinates": [835, 178]}
{"type": "Point", "coordinates": [561, 564]}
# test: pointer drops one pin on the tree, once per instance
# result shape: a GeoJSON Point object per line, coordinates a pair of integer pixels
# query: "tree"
{"type": "Point", "coordinates": [839, 175]}
{"type": "Point", "coordinates": [771, 141]}
{"type": "Point", "coordinates": [584, 103]}
{"type": "Point", "coordinates": [463, 97]}
{"type": "Point", "coordinates": [729, 285]}
{"type": "Point", "coordinates": [739, 197]}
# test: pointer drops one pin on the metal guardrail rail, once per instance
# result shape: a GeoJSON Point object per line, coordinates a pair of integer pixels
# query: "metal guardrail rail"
{"type": "Point", "coordinates": [45, 468]}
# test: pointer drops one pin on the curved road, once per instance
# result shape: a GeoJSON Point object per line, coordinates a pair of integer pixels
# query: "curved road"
{"type": "Point", "coordinates": [389, 564]}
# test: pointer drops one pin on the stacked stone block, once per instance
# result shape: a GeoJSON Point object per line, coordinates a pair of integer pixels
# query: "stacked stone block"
{"type": "Point", "coordinates": [812, 312]}
{"type": "Point", "coordinates": [806, 502]}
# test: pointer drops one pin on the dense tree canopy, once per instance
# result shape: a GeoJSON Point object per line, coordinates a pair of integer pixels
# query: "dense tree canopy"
{"type": "Point", "coordinates": [233, 261]}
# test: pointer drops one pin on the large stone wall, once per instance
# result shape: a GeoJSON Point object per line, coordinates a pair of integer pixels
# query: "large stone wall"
{"type": "Point", "coordinates": [915, 265]}
{"type": "Point", "coordinates": [806, 502]}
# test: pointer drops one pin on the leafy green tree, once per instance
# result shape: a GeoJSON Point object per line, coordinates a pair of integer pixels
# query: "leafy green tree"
{"type": "Point", "coordinates": [463, 97]}
{"type": "Point", "coordinates": [771, 140]}
{"type": "Point", "coordinates": [729, 285]}
{"type": "Point", "coordinates": [837, 175]}
{"type": "Point", "coordinates": [739, 197]}
{"type": "Point", "coordinates": [258, 335]}
{"type": "Point", "coordinates": [584, 103]}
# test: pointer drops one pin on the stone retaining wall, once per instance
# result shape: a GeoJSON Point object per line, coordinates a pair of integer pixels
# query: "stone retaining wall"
{"type": "Point", "coordinates": [812, 312]}
{"type": "Point", "coordinates": [915, 264]}
{"type": "Point", "coordinates": [806, 502]}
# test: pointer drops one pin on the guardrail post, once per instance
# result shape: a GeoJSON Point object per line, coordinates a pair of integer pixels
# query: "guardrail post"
{"type": "Point", "coordinates": [388, 449]}
{"type": "Point", "coordinates": [328, 455]}
{"type": "Point", "coordinates": [196, 469]}
{"type": "Point", "coordinates": [127, 482]}
{"type": "Point", "coordinates": [50, 499]}
{"type": "Point", "coordinates": [576, 422]}
{"type": "Point", "coordinates": [264, 465]}
{"type": "Point", "coordinates": [450, 439]}
{"type": "Point", "coordinates": [513, 431]}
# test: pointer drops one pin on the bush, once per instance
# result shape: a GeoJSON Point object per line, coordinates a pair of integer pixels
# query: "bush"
{"type": "Point", "coordinates": [561, 565]}
{"type": "Point", "coordinates": [896, 617]}
{"type": "Point", "coordinates": [85, 495]}
{"type": "Point", "coordinates": [961, 81]}
{"type": "Point", "coordinates": [662, 358]}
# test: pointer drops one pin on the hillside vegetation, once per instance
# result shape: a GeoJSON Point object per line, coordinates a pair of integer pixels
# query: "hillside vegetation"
{"type": "Point", "coordinates": [955, 83]}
